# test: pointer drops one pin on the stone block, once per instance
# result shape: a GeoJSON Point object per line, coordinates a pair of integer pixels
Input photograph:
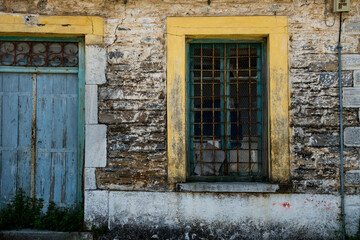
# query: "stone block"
{"type": "Point", "coordinates": [352, 26]}
{"type": "Point", "coordinates": [89, 178]}
{"type": "Point", "coordinates": [323, 66]}
{"type": "Point", "coordinates": [352, 136]}
{"type": "Point", "coordinates": [324, 140]}
{"type": "Point", "coordinates": [331, 79]}
{"type": "Point", "coordinates": [95, 64]}
{"type": "Point", "coordinates": [352, 177]}
{"type": "Point", "coordinates": [350, 61]}
{"type": "Point", "coordinates": [91, 104]}
{"type": "Point", "coordinates": [351, 97]}
{"type": "Point", "coordinates": [96, 208]}
{"type": "Point", "coordinates": [356, 78]}
{"type": "Point", "coordinates": [95, 145]}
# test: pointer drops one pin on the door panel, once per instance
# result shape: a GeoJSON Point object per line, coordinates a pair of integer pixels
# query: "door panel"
{"type": "Point", "coordinates": [15, 133]}
{"type": "Point", "coordinates": [57, 137]}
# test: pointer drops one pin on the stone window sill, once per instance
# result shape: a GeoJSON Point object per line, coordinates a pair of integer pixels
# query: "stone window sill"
{"type": "Point", "coordinates": [228, 187]}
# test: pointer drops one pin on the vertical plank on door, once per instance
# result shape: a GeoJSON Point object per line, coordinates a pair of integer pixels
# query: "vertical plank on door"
{"type": "Point", "coordinates": [10, 134]}
{"type": "Point", "coordinates": [24, 137]}
{"type": "Point", "coordinates": [57, 125]}
{"type": "Point", "coordinates": [58, 130]}
{"type": "Point", "coordinates": [72, 141]}
{"type": "Point", "coordinates": [44, 104]}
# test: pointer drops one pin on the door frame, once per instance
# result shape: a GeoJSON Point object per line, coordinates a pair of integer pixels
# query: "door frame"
{"type": "Point", "coordinates": [81, 96]}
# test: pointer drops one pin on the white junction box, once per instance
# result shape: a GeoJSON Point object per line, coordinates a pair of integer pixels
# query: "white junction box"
{"type": "Point", "coordinates": [341, 5]}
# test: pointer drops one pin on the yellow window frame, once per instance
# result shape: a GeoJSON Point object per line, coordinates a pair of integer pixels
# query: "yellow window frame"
{"type": "Point", "coordinates": [275, 30]}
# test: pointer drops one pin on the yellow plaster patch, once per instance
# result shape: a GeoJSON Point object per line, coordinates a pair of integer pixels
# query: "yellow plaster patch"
{"type": "Point", "coordinates": [274, 28]}
{"type": "Point", "coordinates": [30, 25]}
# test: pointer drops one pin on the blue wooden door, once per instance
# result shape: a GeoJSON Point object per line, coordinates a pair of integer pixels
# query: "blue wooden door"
{"type": "Point", "coordinates": [42, 121]}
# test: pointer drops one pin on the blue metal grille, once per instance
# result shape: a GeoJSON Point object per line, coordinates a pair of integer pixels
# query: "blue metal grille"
{"type": "Point", "coordinates": [226, 93]}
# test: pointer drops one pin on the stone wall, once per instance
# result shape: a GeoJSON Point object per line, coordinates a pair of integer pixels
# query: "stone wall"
{"type": "Point", "coordinates": [131, 102]}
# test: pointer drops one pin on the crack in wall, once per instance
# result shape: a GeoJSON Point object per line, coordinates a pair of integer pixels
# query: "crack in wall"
{"type": "Point", "coordinates": [118, 25]}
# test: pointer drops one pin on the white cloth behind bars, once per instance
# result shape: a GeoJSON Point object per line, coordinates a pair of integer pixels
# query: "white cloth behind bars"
{"type": "Point", "coordinates": [210, 169]}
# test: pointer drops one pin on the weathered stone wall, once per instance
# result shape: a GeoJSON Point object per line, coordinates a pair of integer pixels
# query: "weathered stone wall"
{"type": "Point", "coordinates": [132, 103]}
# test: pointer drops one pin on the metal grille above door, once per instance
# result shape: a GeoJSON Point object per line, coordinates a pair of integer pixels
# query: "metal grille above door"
{"type": "Point", "coordinates": [226, 111]}
{"type": "Point", "coordinates": [39, 54]}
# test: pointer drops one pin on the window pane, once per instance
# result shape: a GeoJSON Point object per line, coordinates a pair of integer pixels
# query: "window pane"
{"type": "Point", "coordinates": [226, 115]}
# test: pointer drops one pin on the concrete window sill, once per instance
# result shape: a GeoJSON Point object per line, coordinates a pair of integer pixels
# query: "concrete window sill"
{"type": "Point", "coordinates": [238, 187]}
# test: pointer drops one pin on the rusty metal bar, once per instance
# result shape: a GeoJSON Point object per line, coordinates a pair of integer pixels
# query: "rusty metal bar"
{"type": "Point", "coordinates": [220, 110]}
{"type": "Point", "coordinates": [229, 57]}
{"type": "Point", "coordinates": [250, 118]}
{"type": "Point", "coordinates": [231, 83]}
{"type": "Point", "coordinates": [237, 112]}
{"type": "Point", "coordinates": [219, 70]}
{"type": "Point", "coordinates": [213, 103]}
{"type": "Point", "coordinates": [225, 111]}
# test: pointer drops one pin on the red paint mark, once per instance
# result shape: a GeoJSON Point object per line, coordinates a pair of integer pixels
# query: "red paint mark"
{"type": "Point", "coordinates": [274, 204]}
{"type": "Point", "coordinates": [286, 205]}
{"type": "Point", "coordinates": [317, 203]}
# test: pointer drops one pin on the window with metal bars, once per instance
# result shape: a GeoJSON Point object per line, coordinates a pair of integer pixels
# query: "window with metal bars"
{"type": "Point", "coordinates": [226, 110]}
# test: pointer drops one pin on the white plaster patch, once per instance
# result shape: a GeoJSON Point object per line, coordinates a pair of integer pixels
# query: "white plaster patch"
{"type": "Point", "coordinates": [96, 207]}
{"type": "Point", "coordinates": [91, 104]}
{"type": "Point", "coordinates": [95, 64]}
{"type": "Point", "coordinates": [30, 20]}
{"type": "Point", "coordinates": [315, 213]}
{"type": "Point", "coordinates": [95, 146]}
{"type": "Point", "coordinates": [89, 178]}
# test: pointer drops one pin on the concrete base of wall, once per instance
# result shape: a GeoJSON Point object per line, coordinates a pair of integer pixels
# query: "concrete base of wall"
{"type": "Point", "coordinates": [234, 215]}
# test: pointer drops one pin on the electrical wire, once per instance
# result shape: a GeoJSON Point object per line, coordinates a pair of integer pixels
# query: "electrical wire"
{"type": "Point", "coordinates": [326, 11]}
